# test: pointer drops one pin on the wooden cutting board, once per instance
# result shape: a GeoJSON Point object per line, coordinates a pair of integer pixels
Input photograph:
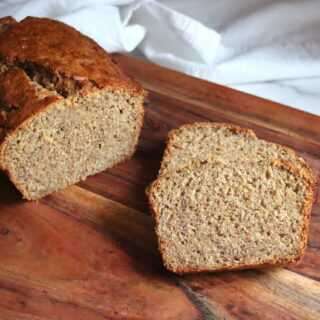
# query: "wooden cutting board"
{"type": "Point", "coordinates": [89, 251]}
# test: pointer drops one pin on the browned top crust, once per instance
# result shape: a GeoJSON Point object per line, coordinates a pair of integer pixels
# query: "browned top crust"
{"type": "Point", "coordinates": [5, 23]}
{"type": "Point", "coordinates": [69, 59]}
{"type": "Point", "coordinates": [18, 105]}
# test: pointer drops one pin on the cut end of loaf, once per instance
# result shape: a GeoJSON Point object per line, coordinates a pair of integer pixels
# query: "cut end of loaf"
{"type": "Point", "coordinates": [213, 217]}
{"type": "Point", "coordinates": [72, 139]}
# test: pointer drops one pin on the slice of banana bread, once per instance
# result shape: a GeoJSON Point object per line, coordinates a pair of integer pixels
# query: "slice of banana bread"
{"type": "Point", "coordinates": [225, 142]}
{"type": "Point", "coordinates": [66, 109]}
{"type": "Point", "coordinates": [215, 216]}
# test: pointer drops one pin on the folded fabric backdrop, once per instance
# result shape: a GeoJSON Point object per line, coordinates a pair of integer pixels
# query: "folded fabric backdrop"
{"type": "Point", "coordinates": [269, 48]}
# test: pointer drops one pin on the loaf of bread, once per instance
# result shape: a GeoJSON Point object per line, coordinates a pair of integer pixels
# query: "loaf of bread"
{"type": "Point", "coordinates": [226, 200]}
{"type": "Point", "coordinates": [67, 110]}
{"type": "Point", "coordinates": [213, 216]}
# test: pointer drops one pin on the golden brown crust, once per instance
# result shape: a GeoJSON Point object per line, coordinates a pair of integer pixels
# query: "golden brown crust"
{"type": "Point", "coordinates": [68, 58]}
{"type": "Point", "coordinates": [19, 99]}
{"type": "Point", "coordinates": [303, 173]}
{"type": "Point", "coordinates": [5, 23]}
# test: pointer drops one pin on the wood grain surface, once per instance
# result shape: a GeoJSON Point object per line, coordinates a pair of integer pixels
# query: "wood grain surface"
{"type": "Point", "coordinates": [89, 251]}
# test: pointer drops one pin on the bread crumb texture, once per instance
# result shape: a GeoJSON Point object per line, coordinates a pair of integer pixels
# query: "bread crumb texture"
{"type": "Point", "coordinates": [215, 216]}
{"type": "Point", "coordinates": [224, 142]}
{"type": "Point", "coordinates": [68, 142]}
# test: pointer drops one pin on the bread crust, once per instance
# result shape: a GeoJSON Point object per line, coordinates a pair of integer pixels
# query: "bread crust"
{"type": "Point", "coordinates": [64, 53]}
{"type": "Point", "coordinates": [20, 99]}
{"type": "Point", "coordinates": [303, 173]}
{"type": "Point", "coordinates": [5, 23]}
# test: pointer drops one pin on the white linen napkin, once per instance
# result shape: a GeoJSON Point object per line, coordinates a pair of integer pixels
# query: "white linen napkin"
{"type": "Point", "coordinates": [265, 47]}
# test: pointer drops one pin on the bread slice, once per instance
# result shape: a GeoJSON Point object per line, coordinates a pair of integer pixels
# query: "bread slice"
{"type": "Point", "coordinates": [67, 110]}
{"type": "Point", "coordinates": [224, 142]}
{"type": "Point", "coordinates": [215, 216]}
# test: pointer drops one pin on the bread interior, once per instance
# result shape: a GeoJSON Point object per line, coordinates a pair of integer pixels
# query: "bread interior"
{"type": "Point", "coordinates": [72, 139]}
{"type": "Point", "coordinates": [205, 140]}
{"type": "Point", "coordinates": [217, 216]}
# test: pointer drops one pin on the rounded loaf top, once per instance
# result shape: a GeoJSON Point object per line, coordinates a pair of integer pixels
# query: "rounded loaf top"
{"type": "Point", "coordinates": [70, 59]}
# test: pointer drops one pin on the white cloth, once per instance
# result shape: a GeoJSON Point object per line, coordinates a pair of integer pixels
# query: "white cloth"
{"type": "Point", "coordinates": [268, 47]}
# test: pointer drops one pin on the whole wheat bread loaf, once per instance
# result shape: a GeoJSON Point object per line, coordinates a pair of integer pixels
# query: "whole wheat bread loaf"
{"type": "Point", "coordinates": [221, 141]}
{"type": "Point", "coordinates": [215, 216]}
{"type": "Point", "coordinates": [66, 109]}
